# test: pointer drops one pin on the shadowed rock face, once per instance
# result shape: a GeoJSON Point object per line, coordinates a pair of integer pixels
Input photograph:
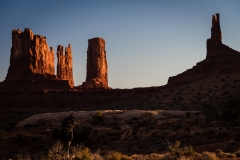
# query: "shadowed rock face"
{"type": "Point", "coordinates": [29, 54]}
{"type": "Point", "coordinates": [220, 59]}
{"type": "Point", "coordinates": [97, 70]}
{"type": "Point", "coordinates": [64, 64]}
{"type": "Point", "coordinates": [215, 41]}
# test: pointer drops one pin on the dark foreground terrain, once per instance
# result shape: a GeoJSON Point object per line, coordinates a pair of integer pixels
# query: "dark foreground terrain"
{"type": "Point", "coordinates": [203, 114]}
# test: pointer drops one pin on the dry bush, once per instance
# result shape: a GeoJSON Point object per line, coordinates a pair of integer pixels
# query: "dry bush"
{"type": "Point", "coordinates": [169, 157]}
{"type": "Point", "coordinates": [237, 153]}
{"type": "Point", "coordinates": [208, 156]}
{"type": "Point", "coordinates": [23, 157]}
{"type": "Point", "coordinates": [177, 152]}
{"type": "Point", "coordinates": [96, 156]}
{"type": "Point", "coordinates": [57, 146]}
{"type": "Point", "coordinates": [222, 154]}
{"type": "Point", "coordinates": [57, 151]}
{"type": "Point", "coordinates": [117, 156]}
{"type": "Point", "coordinates": [81, 153]}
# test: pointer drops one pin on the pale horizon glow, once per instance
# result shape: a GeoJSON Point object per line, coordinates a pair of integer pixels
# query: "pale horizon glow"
{"type": "Point", "coordinates": [146, 41]}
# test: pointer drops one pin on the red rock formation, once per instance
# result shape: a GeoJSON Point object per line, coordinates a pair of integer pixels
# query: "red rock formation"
{"type": "Point", "coordinates": [31, 65]}
{"type": "Point", "coordinates": [220, 59]}
{"type": "Point", "coordinates": [29, 54]}
{"type": "Point", "coordinates": [64, 64]}
{"type": "Point", "coordinates": [97, 70]}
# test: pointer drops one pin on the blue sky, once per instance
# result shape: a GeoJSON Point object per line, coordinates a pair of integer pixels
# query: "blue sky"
{"type": "Point", "coordinates": [146, 41]}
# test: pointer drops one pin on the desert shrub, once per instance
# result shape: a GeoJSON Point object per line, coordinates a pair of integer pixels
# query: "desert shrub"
{"type": "Point", "coordinates": [176, 151]}
{"type": "Point", "coordinates": [23, 157]}
{"type": "Point", "coordinates": [67, 127]}
{"type": "Point", "coordinates": [237, 153]}
{"type": "Point", "coordinates": [208, 156]}
{"type": "Point", "coordinates": [82, 154]}
{"type": "Point", "coordinates": [65, 133]}
{"type": "Point", "coordinates": [96, 156]}
{"type": "Point", "coordinates": [222, 154]}
{"type": "Point", "coordinates": [98, 117]}
{"type": "Point", "coordinates": [117, 156]}
{"type": "Point", "coordinates": [57, 151]}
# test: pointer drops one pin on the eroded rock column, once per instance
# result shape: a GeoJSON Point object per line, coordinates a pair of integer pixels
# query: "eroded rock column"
{"type": "Point", "coordinates": [97, 69]}
{"type": "Point", "coordinates": [64, 64]}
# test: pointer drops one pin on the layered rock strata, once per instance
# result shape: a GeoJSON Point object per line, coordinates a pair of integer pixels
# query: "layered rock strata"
{"type": "Point", "coordinates": [97, 69]}
{"type": "Point", "coordinates": [220, 59]}
{"type": "Point", "coordinates": [64, 64]}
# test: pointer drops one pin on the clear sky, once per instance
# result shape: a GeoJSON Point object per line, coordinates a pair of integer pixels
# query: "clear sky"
{"type": "Point", "coordinates": [147, 41]}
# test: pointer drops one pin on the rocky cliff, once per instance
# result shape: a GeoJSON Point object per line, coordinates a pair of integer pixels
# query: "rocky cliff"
{"type": "Point", "coordinates": [64, 64]}
{"type": "Point", "coordinates": [32, 65]}
{"type": "Point", "coordinates": [29, 54]}
{"type": "Point", "coordinates": [97, 69]}
{"type": "Point", "coordinates": [220, 59]}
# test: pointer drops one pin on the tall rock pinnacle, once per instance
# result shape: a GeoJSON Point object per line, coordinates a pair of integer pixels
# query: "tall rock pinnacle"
{"type": "Point", "coordinates": [97, 69]}
{"type": "Point", "coordinates": [221, 59]}
{"type": "Point", "coordinates": [64, 64]}
{"type": "Point", "coordinates": [216, 35]}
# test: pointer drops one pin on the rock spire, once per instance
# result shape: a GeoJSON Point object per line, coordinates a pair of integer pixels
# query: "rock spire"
{"type": "Point", "coordinates": [64, 64]}
{"type": "Point", "coordinates": [216, 35]}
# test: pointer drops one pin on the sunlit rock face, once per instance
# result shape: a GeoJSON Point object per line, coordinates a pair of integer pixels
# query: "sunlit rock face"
{"type": "Point", "coordinates": [30, 54]}
{"type": "Point", "coordinates": [32, 65]}
{"type": "Point", "coordinates": [97, 69]}
{"type": "Point", "coordinates": [220, 59]}
{"type": "Point", "coordinates": [64, 64]}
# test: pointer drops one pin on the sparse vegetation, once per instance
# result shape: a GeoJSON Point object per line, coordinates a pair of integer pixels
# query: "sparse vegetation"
{"type": "Point", "coordinates": [98, 116]}
{"type": "Point", "coordinates": [176, 151]}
